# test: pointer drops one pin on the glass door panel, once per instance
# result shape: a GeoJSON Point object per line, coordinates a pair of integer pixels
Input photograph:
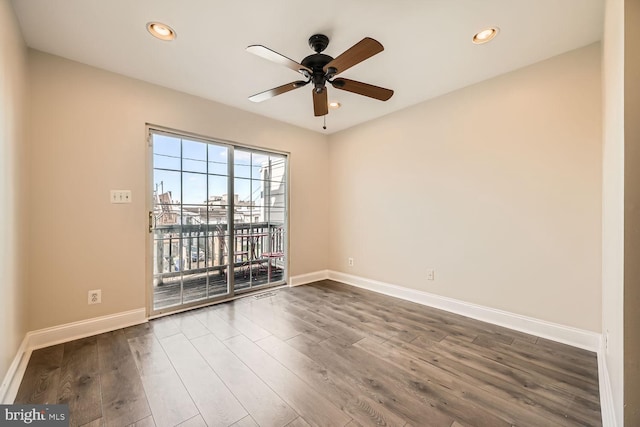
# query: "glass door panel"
{"type": "Point", "coordinates": [260, 184]}
{"type": "Point", "coordinates": [275, 215]}
{"type": "Point", "coordinates": [190, 216]}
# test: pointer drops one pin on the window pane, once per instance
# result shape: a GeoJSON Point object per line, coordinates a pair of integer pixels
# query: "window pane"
{"type": "Point", "coordinates": [278, 170]}
{"type": "Point", "coordinates": [217, 212]}
{"type": "Point", "coordinates": [218, 159]}
{"type": "Point", "coordinates": [166, 152]}
{"type": "Point", "coordinates": [165, 248]}
{"type": "Point", "coordinates": [275, 216]}
{"type": "Point", "coordinates": [218, 187]}
{"type": "Point", "coordinates": [243, 191]}
{"type": "Point", "coordinates": [219, 248]}
{"type": "Point", "coordinates": [257, 192]}
{"type": "Point", "coordinates": [259, 165]}
{"type": "Point", "coordinates": [194, 214]}
{"type": "Point", "coordinates": [167, 188]}
{"type": "Point", "coordinates": [242, 163]}
{"type": "Point", "coordinates": [218, 282]}
{"type": "Point", "coordinates": [194, 187]}
{"type": "Point", "coordinates": [277, 196]}
{"type": "Point", "coordinates": [194, 156]}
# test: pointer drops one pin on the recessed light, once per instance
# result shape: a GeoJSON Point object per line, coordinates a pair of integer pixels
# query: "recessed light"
{"type": "Point", "coordinates": [485, 35]}
{"type": "Point", "coordinates": [161, 31]}
{"type": "Point", "coordinates": [334, 104]}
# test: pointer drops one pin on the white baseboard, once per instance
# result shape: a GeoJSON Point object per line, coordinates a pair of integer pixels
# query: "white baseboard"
{"type": "Point", "coordinates": [303, 279]}
{"type": "Point", "coordinates": [59, 334]}
{"type": "Point", "coordinates": [84, 328]}
{"type": "Point", "coordinates": [565, 334]}
{"type": "Point", "coordinates": [606, 395]}
{"type": "Point", "coordinates": [13, 377]}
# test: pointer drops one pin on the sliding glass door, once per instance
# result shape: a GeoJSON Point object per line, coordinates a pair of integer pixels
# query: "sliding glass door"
{"type": "Point", "coordinates": [217, 221]}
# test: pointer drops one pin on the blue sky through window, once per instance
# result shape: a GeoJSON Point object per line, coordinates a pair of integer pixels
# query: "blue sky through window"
{"type": "Point", "coordinates": [198, 164]}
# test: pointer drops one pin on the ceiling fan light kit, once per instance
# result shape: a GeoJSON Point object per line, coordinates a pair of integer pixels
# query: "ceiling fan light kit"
{"type": "Point", "coordinates": [320, 69]}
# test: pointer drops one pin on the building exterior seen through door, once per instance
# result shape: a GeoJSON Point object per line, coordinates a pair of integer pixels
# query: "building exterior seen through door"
{"type": "Point", "coordinates": [218, 220]}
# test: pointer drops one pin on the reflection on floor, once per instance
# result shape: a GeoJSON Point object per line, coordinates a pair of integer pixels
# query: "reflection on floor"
{"type": "Point", "coordinates": [195, 286]}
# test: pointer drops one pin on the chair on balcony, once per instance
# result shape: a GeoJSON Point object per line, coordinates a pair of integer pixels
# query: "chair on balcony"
{"type": "Point", "coordinates": [241, 256]}
{"type": "Point", "coordinates": [275, 253]}
{"type": "Point", "coordinates": [269, 257]}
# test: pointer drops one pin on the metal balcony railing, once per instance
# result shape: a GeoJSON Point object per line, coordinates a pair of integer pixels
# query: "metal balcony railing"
{"type": "Point", "coordinates": [205, 248]}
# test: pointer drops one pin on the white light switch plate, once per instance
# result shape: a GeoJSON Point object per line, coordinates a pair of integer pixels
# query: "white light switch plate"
{"type": "Point", "coordinates": [120, 196]}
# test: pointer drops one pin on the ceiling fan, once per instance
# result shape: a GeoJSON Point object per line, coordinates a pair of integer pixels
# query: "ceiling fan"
{"type": "Point", "coordinates": [319, 69]}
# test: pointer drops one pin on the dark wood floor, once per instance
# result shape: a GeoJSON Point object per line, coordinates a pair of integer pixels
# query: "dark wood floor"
{"type": "Point", "coordinates": [325, 354]}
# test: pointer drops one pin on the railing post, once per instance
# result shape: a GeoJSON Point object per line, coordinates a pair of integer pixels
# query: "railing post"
{"type": "Point", "coordinates": [160, 258]}
{"type": "Point", "coordinates": [170, 252]}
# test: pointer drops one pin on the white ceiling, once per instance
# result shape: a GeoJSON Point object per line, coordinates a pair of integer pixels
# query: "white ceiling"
{"type": "Point", "coordinates": [428, 49]}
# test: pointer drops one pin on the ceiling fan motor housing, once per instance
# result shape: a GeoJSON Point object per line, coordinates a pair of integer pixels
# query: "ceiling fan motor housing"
{"type": "Point", "coordinates": [316, 63]}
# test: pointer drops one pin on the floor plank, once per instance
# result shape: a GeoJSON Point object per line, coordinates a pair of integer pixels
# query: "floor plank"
{"type": "Point", "coordinates": [264, 405]}
{"type": "Point", "coordinates": [217, 405]}
{"type": "Point", "coordinates": [41, 378]}
{"type": "Point", "coordinates": [196, 421]}
{"type": "Point", "coordinates": [504, 403]}
{"type": "Point", "coordinates": [138, 330]}
{"type": "Point", "coordinates": [95, 423]}
{"type": "Point", "coordinates": [317, 410]}
{"type": "Point", "coordinates": [145, 422]}
{"type": "Point", "coordinates": [189, 325]}
{"type": "Point", "coordinates": [123, 398]}
{"type": "Point", "coordinates": [168, 398]}
{"type": "Point", "coordinates": [248, 328]}
{"type": "Point", "coordinates": [246, 422]}
{"type": "Point", "coordinates": [215, 325]}
{"type": "Point", "coordinates": [268, 317]}
{"type": "Point", "coordinates": [339, 391]}
{"type": "Point", "coordinates": [375, 384]}
{"type": "Point", "coordinates": [79, 385]}
{"type": "Point", "coordinates": [300, 422]}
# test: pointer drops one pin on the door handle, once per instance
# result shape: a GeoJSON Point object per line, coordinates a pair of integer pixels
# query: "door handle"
{"type": "Point", "coordinates": [150, 221]}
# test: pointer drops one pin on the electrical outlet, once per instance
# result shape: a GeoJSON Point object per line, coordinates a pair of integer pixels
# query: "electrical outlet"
{"type": "Point", "coordinates": [95, 296]}
{"type": "Point", "coordinates": [350, 260]}
{"type": "Point", "coordinates": [431, 274]}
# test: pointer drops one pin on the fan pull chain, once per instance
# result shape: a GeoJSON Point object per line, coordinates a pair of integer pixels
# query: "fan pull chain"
{"type": "Point", "coordinates": [324, 126]}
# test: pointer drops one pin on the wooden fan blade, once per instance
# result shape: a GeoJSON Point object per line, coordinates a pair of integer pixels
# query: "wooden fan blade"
{"type": "Point", "coordinates": [320, 107]}
{"type": "Point", "coordinates": [271, 55]}
{"type": "Point", "coordinates": [365, 89]}
{"type": "Point", "coordinates": [364, 49]}
{"type": "Point", "coordinates": [267, 94]}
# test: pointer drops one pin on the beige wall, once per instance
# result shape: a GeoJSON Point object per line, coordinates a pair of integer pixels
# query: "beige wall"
{"type": "Point", "coordinates": [613, 199]}
{"type": "Point", "coordinates": [631, 213]}
{"type": "Point", "coordinates": [87, 136]}
{"type": "Point", "coordinates": [496, 186]}
{"type": "Point", "coordinates": [13, 57]}
{"type": "Point", "coordinates": [504, 202]}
